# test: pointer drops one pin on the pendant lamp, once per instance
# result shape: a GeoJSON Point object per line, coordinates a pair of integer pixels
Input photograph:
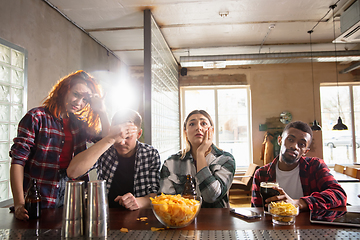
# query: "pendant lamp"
{"type": "Point", "coordinates": [339, 125]}
{"type": "Point", "coordinates": [315, 126]}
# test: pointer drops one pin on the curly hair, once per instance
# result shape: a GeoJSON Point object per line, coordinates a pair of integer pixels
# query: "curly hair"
{"type": "Point", "coordinates": [304, 127]}
{"type": "Point", "coordinates": [55, 99]}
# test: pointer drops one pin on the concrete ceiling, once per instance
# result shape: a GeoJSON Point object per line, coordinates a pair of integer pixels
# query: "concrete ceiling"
{"type": "Point", "coordinates": [209, 27]}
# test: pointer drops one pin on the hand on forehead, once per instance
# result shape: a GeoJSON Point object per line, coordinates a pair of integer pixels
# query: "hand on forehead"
{"type": "Point", "coordinates": [127, 124]}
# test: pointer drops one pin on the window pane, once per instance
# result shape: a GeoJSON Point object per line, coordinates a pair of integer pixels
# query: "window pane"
{"type": "Point", "coordinates": [231, 105]}
{"type": "Point", "coordinates": [4, 74]}
{"type": "Point", "coordinates": [200, 100]}
{"type": "Point", "coordinates": [335, 102]}
{"type": "Point", "coordinates": [233, 124]}
{"type": "Point", "coordinates": [4, 54]}
{"type": "Point", "coordinates": [165, 115]}
{"type": "Point", "coordinates": [197, 99]}
{"type": "Point", "coordinates": [12, 106]}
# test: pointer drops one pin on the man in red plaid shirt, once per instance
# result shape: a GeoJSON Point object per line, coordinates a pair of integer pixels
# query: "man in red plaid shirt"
{"type": "Point", "coordinates": [304, 181]}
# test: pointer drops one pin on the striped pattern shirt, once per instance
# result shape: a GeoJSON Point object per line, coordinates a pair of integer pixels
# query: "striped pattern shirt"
{"type": "Point", "coordinates": [212, 182]}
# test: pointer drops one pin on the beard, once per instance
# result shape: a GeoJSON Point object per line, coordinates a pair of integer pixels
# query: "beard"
{"type": "Point", "coordinates": [289, 160]}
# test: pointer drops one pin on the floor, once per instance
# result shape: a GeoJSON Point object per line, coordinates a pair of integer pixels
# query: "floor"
{"type": "Point", "coordinates": [239, 200]}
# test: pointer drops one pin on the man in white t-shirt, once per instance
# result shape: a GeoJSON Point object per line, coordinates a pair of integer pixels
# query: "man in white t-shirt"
{"type": "Point", "coordinates": [304, 181]}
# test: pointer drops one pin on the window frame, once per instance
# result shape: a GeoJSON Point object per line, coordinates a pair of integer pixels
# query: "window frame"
{"type": "Point", "coordinates": [350, 125]}
{"type": "Point", "coordinates": [215, 118]}
{"type": "Point", "coordinates": [15, 47]}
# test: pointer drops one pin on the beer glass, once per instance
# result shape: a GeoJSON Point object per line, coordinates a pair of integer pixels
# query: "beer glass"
{"type": "Point", "coordinates": [73, 212]}
{"type": "Point", "coordinates": [267, 191]}
{"type": "Point", "coordinates": [97, 213]}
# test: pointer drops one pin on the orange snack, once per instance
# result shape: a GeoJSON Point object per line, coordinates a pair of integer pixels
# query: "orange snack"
{"type": "Point", "coordinates": [124, 230]}
{"type": "Point", "coordinates": [154, 229]}
{"type": "Point", "coordinates": [175, 210]}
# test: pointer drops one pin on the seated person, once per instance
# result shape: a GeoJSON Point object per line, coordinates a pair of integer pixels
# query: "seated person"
{"type": "Point", "coordinates": [130, 168]}
{"type": "Point", "coordinates": [213, 169]}
{"type": "Point", "coordinates": [304, 181]}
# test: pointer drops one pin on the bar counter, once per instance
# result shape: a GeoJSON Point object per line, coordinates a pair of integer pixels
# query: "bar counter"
{"type": "Point", "coordinates": [210, 224]}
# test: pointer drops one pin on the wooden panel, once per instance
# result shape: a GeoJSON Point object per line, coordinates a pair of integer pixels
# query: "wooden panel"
{"type": "Point", "coordinates": [339, 168]}
{"type": "Point", "coordinates": [352, 172]}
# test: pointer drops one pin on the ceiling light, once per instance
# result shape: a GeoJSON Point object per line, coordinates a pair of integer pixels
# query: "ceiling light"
{"type": "Point", "coordinates": [224, 14]}
{"type": "Point", "coordinates": [315, 126]}
{"type": "Point", "coordinates": [208, 64]}
{"type": "Point", "coordinates": [339, 125]}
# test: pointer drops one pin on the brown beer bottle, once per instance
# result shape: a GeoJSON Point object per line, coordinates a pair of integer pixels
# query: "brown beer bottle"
{"type": "Point", "coordinates": [33, 201]}
{"type": "Point", "coordinates": [189, 188]}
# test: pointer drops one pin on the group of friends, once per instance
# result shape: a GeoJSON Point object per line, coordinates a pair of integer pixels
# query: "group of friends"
{"type": "Point", "coordinates": [53, 146]}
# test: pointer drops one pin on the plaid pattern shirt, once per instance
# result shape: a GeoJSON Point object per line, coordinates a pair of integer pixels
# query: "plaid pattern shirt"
{"type": "Point", "coordinates": [38, 146]}
{"type": "Point", "coordinates": [147, 166]}
{"type": "Point", "coordinates": [212, 182]}
{"type": "Point", "coordinates": [321, 190]}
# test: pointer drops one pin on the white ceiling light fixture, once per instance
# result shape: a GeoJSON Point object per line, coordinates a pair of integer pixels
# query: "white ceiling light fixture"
{"type": "Point", "coordinates": [218, 64]}
{"type": "Point", "coordinates": [224, 14]}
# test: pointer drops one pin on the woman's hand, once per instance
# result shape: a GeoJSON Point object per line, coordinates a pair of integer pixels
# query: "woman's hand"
{"type": "Point", "coordinates": [21, 213]}
{"type": "Point", "coordinates": [97, 103]}
{"type": "Point", "coordinates": [207, 141]}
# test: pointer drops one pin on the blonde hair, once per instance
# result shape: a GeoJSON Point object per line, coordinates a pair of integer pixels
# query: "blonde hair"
{"type": "Point", "coordinates": [186, 141]}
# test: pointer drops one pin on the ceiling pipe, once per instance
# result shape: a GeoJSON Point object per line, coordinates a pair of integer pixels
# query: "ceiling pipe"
{"type": "Point", "coordinates": [351, 68]}
{"type": "Point", "coordinates": [271, 58]}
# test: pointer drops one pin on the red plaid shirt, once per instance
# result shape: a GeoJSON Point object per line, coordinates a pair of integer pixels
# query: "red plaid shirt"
{"type": "Point", "coordinates": [38, 146]}
{"type": "Point", "coordinates": [321, 190]}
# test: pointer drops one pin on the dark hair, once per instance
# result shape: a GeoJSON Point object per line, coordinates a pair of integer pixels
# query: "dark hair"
{"type": "Point", "coordinates": [301, 126]}
{"type": "Point", "coordinates": [127, 115]}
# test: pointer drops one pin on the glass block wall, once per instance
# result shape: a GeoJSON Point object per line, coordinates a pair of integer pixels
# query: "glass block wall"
{"type": "Point", "coordinates": [164, 96]}
{"type": "Point", "coordinates": [12, 107]}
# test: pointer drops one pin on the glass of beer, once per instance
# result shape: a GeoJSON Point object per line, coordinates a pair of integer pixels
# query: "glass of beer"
{"type": "Point", "coordinates": [267, 191]}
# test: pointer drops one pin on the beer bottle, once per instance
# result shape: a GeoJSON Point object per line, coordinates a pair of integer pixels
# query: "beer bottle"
{"type": "Point", "coordinates": [33, 201]}
{"type": "Point", "coordinates": [189, 188]}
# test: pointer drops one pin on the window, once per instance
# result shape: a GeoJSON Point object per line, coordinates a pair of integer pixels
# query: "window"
{"type": "Point", "coordinates": [340, 146]}
{"type": "Point", "coordinates": [229, 109]}
{"type": "Point", "coordinates": [12, 107]}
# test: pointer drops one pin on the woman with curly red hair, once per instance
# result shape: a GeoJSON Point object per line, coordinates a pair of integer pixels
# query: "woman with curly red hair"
{"type": "Point", "coordinates": [49, 136]}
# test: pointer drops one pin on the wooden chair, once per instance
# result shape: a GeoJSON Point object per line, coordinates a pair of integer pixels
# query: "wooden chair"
{"type": "Point", "coordinates": [352, 172]}
{"type": "Point", "coordinates": [244, 182]}
{"type": "Point", "coordinates": [339, 168]}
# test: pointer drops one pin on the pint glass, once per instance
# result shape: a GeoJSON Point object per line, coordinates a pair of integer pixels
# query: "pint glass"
{"type": "Point", "coordinates": [267, 191]}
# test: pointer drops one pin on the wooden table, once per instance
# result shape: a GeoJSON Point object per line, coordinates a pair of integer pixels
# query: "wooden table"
{"type": "Point", "coordinates": [210, 224]}
{"type": "Point", "coordinates": [341, 177]}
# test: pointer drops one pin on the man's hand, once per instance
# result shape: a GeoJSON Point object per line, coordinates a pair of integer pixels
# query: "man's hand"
{"type": "Point", "coordinates": [21, 213]}
{"type": "Point", "coordinates": [122, 131]}
{"type": "Point", "coordinates": [286, 198]}
{"type": "Point", "coordinates": [128, 201]}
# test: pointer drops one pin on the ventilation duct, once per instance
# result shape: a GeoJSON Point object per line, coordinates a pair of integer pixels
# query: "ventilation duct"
{"type": "Point", "coordinates": [350, 24]}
